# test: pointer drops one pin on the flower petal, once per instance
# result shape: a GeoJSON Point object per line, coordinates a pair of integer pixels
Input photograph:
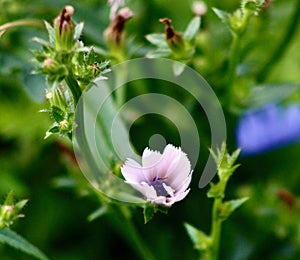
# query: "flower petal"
{"type": "Point", "coordinates": [181, 196]}
{"type": "Point", "coordinates": [132, 171]}
{"type": "Point", "coordinates": [183, 186]}
{"type": "Point", "coordinates": [150, 161]}
{"type": "Point", "coordinates": [149, 191]}
{"type": "Point", "coordinates": [179, 172]}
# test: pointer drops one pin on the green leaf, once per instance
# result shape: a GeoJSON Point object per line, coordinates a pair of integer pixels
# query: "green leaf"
{"type": "Point", "coordinates": [78, 31]}
{"type": "Point", "coordinates": [216, 190]}
{"type": "Point", "coordinates": [51, 32]}
{"type": "Point", "coordinates": [149, 211]}
{"type": "Point", "coordinates": [224, 16]}
{"type": "Point", "coordinates": [97, 214]}
{"type": "Point", "coordinates": [9, 200]}
{"type": "Point", "coordinates": [264, 94]}
{"type": "Point", "coordinates": [178, 68]}
{"type": "Point", "coordinates": [20, 205]}
{"type": "Point", "coordinates": [12, 239]}
{"type": "Point", "coordinates": [159, 53]}
{"type": "Point", "coordinates": [200, 240]}
{"type": "Point", "coordinates": [228, 207]}
{"type": "Point", "coordinates": [57, 114]}
{"type": "Point", "coordinates": [157, 39]}
{"type": "Point", "coordinates": [192, 29]}
{"type": "Point", "coordinates": [40, 41]}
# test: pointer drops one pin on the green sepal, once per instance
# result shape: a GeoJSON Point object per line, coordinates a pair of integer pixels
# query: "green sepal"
{"type": "Point", "coordinates": [149, 211]}
{"type": "Point", "coordinates": [192, 29]}
{"type": "Point", "coordinates": [200, 240]}
{"type": "Point", "coordinates": [228, 207]}
{"type": "Point", "coordinates": [159, 53]}
{"type": "Point", "coordinates": [178, 68]}
{"type": "Point", "coordinates": [157, 39]}
{"type": "Point", "coordinates": [51, 33]}
{"type": "Point", "coordinates": [223, 16]}
{"type": "Point", "coordinates": [78, 31]}
{"type": "Point", "coordinates": [162, 209]}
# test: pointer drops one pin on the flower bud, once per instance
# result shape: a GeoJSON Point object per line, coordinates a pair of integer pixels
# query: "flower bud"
{"type": "Point", "coordinates": [199, 8]}
{"type": "Point", "coordinates": [115, 33]}
{"type": "Point", "coordinates": [64, 29]}
{"type": "Point", "coordinates": [175, 41]}
{"type": "Point", "coordinates": [9, 211]}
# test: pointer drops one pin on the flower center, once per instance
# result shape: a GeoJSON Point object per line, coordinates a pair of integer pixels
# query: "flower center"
{"type": "Point", "coordinates": [157, 184]}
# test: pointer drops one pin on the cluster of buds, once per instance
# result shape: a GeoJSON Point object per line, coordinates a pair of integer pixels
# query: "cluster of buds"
{"type": "Point", "coordinates": [61, 111]}
{"type": "Point", "coordinates": [238, 21]}
{"type": "Point", "coordinates": [10, 211]}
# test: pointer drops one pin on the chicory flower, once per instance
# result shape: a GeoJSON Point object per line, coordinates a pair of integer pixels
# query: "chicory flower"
{"type": "Point", "coordinates": [162, 178]}
{"type": "Point", "coordinates": [267, 128]}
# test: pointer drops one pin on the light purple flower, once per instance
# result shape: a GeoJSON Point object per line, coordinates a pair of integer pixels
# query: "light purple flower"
{"type": "Point", "coordinates": [163, 178]}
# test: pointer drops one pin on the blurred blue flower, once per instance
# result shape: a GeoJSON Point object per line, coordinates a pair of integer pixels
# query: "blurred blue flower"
{"type": "Point", "coordinates": [268, 127]}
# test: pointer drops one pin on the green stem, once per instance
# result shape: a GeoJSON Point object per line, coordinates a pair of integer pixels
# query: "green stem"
{"type": "Point", "coordinates": [233, 62]}
{"type": "Point", "coordinates": [22, 22]}
{"type": "Point", "coordinates": [128, 230]}
{"type": "Point", "coordinates": [216, 230]}
{"type": "Point", "coordinates": [73, 86]}
{"type": "Point", "coordinates": [282, 46]}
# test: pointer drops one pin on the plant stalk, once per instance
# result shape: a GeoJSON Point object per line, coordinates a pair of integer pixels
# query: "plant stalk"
{"type": "Point", "coordinates": [282, 46]}
{"type": "Point", "coordinates": [216, 230]}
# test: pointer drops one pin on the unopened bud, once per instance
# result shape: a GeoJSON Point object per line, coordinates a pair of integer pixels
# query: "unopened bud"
{"type": "Point", "coordinates": [114, 34]}
{"type": "Point", "coordinates": [64, 125]}
{"type": "Point", "coordinates": [174, 39]}
{"type": "Point", "coordinates": [199, 8]}
{"type": "Point", "coordinates": [49, 95]}
{"type": "Point", "coordinates": [48, 62]}
{"type": "Point", "coordinates": [64, 29]}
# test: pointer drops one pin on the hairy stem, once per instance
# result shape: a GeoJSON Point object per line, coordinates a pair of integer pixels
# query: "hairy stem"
{"type": "Point", "coordinates": [22, 22]}
{"type": "Point", "coordinates": [216, 230]}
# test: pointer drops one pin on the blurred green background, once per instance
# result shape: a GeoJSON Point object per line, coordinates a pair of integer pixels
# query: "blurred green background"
{"type": "Point", "coordinates": [60, 199]}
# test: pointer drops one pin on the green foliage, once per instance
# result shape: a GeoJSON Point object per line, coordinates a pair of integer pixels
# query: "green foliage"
{"type": "Point", "coordinates": [268, 54]}
{"type": "Point", "coordinates": [9, 237]}
{"type": "Point", "coordinates": [151, 209]}
{"type": "Point", "coordinates": [201, 241]}
{"type": "Point", "coordinates": [228, 207]}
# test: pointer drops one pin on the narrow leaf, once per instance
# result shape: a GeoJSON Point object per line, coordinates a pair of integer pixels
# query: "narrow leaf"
{"type": "Point", "coordinates": [97, 214]}
{"type": "Point", "coordinates": [178, 68]}
{"type": "Point", "coordinates": [51, 32]}
{"type": "Point", "coordinates": [229, 207]}
{"type": "Point", "coordinates": [78, 31]}
{"type": "Point", "coordinates": [12, 239]}
{"type": "Point", "coordinates": [264, 94]}
{"type": "Point", "coordinates": [157, 39]}
{"type": "Point", "coordinates": [200, 240]}
{"type": "Point", "coordinates": [224, 16]}
{"type": "Point", "coordinates": [159, 53]}
{"type": "Point", "coordinates": [192, 29]}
